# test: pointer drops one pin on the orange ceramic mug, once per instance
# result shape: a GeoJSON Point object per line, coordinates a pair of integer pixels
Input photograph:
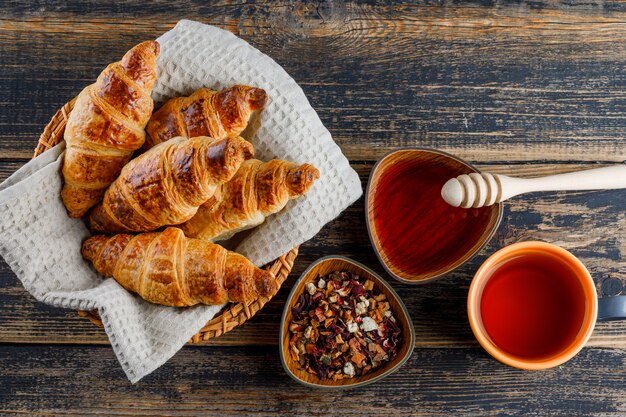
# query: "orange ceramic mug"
{"type": "Point", "coordinates": [532, 305]}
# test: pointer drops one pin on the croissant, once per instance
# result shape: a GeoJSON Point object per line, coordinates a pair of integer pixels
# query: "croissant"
{"type": "Point", "coordinates": [167, 184]}
{"type": "Point", "coordinates": [257, 190]}
{"type": "Point", "coordinates": [169, 269]}
{"type": "Point", "coordinates": [205, 113]}
{"type": "Point", "coordinates": [106, 126]}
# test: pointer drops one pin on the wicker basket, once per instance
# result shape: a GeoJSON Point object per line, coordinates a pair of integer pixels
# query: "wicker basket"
{"type": "Point", "coordinates": [234, 314]}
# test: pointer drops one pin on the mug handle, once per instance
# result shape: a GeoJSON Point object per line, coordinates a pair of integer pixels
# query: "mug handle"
{"type": "Point", "coordinates": [612, 308]}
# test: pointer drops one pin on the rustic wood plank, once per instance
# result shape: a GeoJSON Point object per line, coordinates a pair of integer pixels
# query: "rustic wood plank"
{"type": "Point", "coordinates": [502, 83]}
{"type": "Point", "coordinates": [590, 224]}
{"type": "Point", "coordinates": [530, 88]}
{"type": "Point", "coordinates": [506, 106]}
{"type": "Point", "coordinates": [234, 381]}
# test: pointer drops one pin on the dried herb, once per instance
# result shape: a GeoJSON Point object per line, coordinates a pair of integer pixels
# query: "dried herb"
{"type": "Point", "coordinates": [341, 328]}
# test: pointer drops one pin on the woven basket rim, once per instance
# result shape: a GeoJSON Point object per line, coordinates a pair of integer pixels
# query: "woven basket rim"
{"type": "Point", "coordinates": [233, 314]}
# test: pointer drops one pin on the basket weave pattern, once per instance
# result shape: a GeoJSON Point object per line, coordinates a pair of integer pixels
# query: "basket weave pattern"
{"type": "Point", "coordinates": [234, 314]}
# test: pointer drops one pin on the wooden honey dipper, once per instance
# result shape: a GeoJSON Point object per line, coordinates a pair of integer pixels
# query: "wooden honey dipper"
{"type": "Point", "coordinates": [479, 190]}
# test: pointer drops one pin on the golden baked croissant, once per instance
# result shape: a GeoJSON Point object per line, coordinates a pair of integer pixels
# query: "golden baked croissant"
{"type": "Point", "coordinates": [167, 184]}
{"type": "Point", "coordinates": [257, 190]}
{"type": "Point", "coordinates": [106, 126]}
{"type": "Point", "coordinates": [169, 269]}
{"type": "Point", "coordinates": [205, 113]}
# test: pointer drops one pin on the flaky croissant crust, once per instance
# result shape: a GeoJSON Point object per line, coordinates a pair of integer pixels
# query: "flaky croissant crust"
{"type": "Point", "coordinates": [106, 125]}
{"type": "Point", "coordinates": [205, 113]}
{"type": "Point", "coordinates": [169, 269]}
{"type": "Point", "coordinates": [257, 190]}
{"type": "Point", "coordinates": [166, 185]}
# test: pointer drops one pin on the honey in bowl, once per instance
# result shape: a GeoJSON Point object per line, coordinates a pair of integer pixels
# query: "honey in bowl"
{"type": "Point", "coordinates": [533, 305]}
{"type": "Point", "coordinates": [417, 234]}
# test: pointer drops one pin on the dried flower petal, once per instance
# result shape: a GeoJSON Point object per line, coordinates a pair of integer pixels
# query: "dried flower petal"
{"type": "Point", "coordinates": [294, 353]}
{"type": "Point", "coordinates": [361, 308]}
{"type": "Point", "coordinates": [368, 324]}
{"type": "Point", "coordinates": [358, 358]}
{"type": "Point", "coordinates": [352, 326]}
{"type": "Point", "coordinates": [354, 345]}
{"type": "Point", "coordinates": [341, 328]}
{"type": "Point", "coordinates": [308, 331]}
{"type": "Point", "coordinates": [348, 369]}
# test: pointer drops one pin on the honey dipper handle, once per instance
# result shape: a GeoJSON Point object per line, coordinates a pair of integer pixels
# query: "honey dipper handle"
{"type": "Point", "coordinates": [479, 190]}
{"type": "Point", "coordinates": [611, 177]}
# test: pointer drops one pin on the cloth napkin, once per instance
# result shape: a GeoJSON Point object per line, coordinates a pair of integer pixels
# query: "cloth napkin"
{"type": "Point", "coordinates": [42, 244]}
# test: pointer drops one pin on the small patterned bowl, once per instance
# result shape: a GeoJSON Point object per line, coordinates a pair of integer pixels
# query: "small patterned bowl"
{"type": "Point", "coordinates": [473, 227]}
{"type": "Point", "coordinates": [325, 266]}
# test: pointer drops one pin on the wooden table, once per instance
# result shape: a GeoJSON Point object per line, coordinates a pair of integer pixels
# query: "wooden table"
{"type": "Point", "coordinates": [523, 89]}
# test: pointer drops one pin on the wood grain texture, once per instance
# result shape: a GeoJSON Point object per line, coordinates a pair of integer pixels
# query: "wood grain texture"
{"type": "Point", "coordinates": [489, 83]}
{"type": "Point", "coordinates": [438, 308]}
{"type": "Point", "coordinates": [75, 380]}
{"type": "Point", "coordinates": [525, 88]}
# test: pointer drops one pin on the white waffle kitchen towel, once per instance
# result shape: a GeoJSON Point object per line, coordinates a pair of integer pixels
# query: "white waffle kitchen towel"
{"type": "Point", "coordinates": [42, 245]}
{"type": "Point", "coordinates": [194, 55]}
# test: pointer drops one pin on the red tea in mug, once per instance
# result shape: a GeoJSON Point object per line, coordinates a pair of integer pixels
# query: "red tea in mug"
{"type": "Point", "coordinates": [533, 305]}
